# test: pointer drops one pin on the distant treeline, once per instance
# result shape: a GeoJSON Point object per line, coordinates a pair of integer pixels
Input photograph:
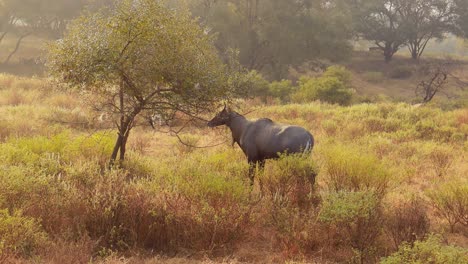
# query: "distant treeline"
{"type": "Point", "coordinates": [272, 35]}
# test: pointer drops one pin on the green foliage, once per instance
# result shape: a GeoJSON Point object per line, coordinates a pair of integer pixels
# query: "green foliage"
{"type": "Point", "coordinates": [56, 150]}
{"type": "Point", "coordinates": [141, 58]}
{"type": "Point", "coordinates": [450, 200]}
{"type": "Point", "coordinates": [431, 250]}
{"type": "Point", "coordinates": [255, 84]}
{"type": "Point", "coordinates": [371, 21]}
{"type": "Point", "coordinates": [20, 235]}
{"type": "Point", "coordinates": [357, 214]}
{"type": "Point", "coordinates": [339, 72]}
{"type": "Point", "coordinates": [273, 35]}
{"type": "Point", "coordinates": [348, 168]}
{"type": "Point", "coordinates": [345, 207]}
{"type": "Point", "coordinates": [282, 89]}
{"type": "Point", "coordinates": [333, 87]}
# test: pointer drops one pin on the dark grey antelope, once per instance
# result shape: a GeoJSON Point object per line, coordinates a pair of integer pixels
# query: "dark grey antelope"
{"type": "Point", "coordinates": [263, 139]}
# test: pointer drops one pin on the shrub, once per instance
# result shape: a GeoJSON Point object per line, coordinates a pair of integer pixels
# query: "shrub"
{"type": "Point", "coordinates": [441, 157]}
{"type": "Point", "coordinates": [401, 72]}
{"type": "Point", "coordinates": [208, 202]}
{"type": "Point", "coordinates": [291, 177]}
{"type": "Point", "coordinates": [332, 87]}
{"type": "Point", "coordinates": [339, 72]}
{"type": "Point", "coordinates": [431, 250]}
{"type": "Point", "coordinates": [354, 217]}
{"type": "Point", "coordinates": [407, 221]}
{"type": "Point", "coordinates": [341, 207]}
{"type": "Point", "coordinates": [348, 168]}
{"type": "Point", "coordinates": [327, 89]}
{"type": "Point", "coordinates": [451, 202]}
{"type": "Point", "coordinates": [281, 89]}
{"type": "Point", "coordinates": [19, 234]}
{"type": "Point", "coordinates": [255, 83]}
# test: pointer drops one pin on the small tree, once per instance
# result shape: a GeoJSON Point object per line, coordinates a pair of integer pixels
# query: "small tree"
{"type": "Point", "coordinates": [424, 20]}
{"type": "Point", "coordinates": [140, 57]}
{"type": "Point", "coordinates": [427, 89]}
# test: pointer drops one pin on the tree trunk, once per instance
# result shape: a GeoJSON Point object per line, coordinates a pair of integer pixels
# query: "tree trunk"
{"type": "Point", "coordinates": [117, 146]}
{"type": "Point", "coordinates": [18, 43]}
{"type": "Point", "coordinates": [122, 129]}
{"type": "Point", "coordinates": [414, 54]}
{"type": "Point", "coordinates": [121, 142]}
{"type": "Point", "coordinates": [388, 56]}
{"type": "Point", "coordinates": [123, 146]}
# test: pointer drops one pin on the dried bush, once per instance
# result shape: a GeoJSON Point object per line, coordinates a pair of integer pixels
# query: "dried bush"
{"type": "Point", "coordinates": [450, 200]}
{"type": "Point", "coordinates": [407, 221]}
{"type": "Point", "coordinates": [291, 177]}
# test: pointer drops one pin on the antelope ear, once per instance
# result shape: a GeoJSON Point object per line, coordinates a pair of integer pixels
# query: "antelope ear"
{"type": "Point", "coordinates": [224, 106]}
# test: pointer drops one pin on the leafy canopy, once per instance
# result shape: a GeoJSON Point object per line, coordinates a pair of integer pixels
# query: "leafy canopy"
{"type": "Point", "coordinates": [158, 57]}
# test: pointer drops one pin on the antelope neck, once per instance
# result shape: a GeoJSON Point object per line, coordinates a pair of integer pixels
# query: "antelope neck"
{"type": "Point", "coordinates": [237, 124]}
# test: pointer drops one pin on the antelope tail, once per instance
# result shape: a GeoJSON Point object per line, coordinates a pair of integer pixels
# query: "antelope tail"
{"type": "Point", "coordinates": [308, 146]}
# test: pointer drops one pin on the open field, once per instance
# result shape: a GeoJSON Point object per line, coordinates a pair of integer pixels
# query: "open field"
{"type": "Point", "coordinates": [385, 173]}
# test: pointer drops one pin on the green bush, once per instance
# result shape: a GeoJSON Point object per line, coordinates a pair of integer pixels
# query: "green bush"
{"type": "Point", "coordinates": [431, 250]}
{"type": "Point", "coordinates": [256, 85]}
{"type": "Point", "coordinates": [343, 207]}
{"type": "Point", "coordinates": [354, 218]}
{"type": "Point", "coordinates": [339, 72]}
{"type": "Point", "coordinates": [20, 235]}
{"type": "Point", "coordinates": [282, 89]}
{"type": "Point", "coordinates": [327, 89]}
{"type": "Point", "coordinates": [332, 87]}
{"type": "Point", "coordinates": [349, 168]}
{"type": "Point", "coordinates": [451, 201]}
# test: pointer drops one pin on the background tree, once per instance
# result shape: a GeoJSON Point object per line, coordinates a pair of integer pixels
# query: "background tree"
{"type": "Point", "coordinates": [141, 58]}
{"type": "Point", "coordinates": [272, 35]}
{"type": "Point", "coordinates": [461, 17]}
{"type": "Point", "coordinates": [7, 19]}
{"type": "Point", "coordinates": [380, 22]}
{"type": "Point", "coordinates": [424, 20]}
{"type": "Point", "coordinates": [43, 18]}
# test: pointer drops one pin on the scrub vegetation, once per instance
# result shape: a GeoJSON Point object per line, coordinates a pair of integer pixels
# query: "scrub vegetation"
{"type": "Point", "coordinates": [382, 179]}
{"type": "Point", "coordinates": [106, 157]}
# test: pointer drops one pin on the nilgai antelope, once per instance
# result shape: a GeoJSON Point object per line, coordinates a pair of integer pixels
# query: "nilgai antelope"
{"type": "Point", "coordinates": [263, 139]}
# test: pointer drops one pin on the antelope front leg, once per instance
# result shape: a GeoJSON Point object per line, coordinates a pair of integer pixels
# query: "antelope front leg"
{"type": "Point", "coordinates": [252, 165]}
